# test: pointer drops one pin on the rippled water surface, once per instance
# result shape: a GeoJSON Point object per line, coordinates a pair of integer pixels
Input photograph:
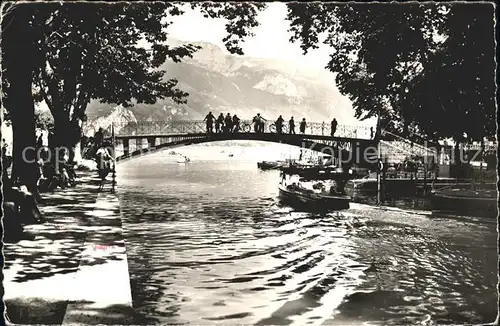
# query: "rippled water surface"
{"type": "Point", "coordinates": [208, 243]}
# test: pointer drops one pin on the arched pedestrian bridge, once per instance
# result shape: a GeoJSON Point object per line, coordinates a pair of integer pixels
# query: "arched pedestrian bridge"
{"type": "Point", "coordinates": [134, 139]}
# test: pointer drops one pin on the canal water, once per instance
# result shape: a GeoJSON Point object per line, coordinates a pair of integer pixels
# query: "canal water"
{"type": "Point", "coordinates": [208, 243]}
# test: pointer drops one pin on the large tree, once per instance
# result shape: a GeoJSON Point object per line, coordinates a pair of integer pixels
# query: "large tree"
{"type": "Point", "coordinates": [100, 58]}
{"type": "Point", "coordinates": [18, 62]}
{"type": "Point", "coordinates": [76, 52]}
{"type": "Point", "coordinates": [424, 65]}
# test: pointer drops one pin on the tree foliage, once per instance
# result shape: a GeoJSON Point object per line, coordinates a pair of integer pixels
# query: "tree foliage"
{"type": "Point", "coordinates": [81, 58]}
{"type": "Point", "coordinates": [83, 51]}
{"type": "Point", "coordinates": [422, 64]}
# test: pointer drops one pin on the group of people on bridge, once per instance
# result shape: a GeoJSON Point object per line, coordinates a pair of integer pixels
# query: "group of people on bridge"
{"type": "Point", "coordinates": [226, 124]}
{"type": "Point", "coordinates": [232, 124]}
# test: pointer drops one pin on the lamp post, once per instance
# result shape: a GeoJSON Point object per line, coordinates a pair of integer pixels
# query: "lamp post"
{"type": "Point", "coordinates": [379, 160]}
{"type": "Point", "coordinates": [113, 140]}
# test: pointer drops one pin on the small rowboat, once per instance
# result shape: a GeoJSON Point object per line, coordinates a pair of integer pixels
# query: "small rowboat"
{"type": "Point", "coordinates": [184, 159]}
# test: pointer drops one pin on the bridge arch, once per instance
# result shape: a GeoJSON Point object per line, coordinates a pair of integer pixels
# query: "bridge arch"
{"type": "Point", "coordinates": [336, 146]}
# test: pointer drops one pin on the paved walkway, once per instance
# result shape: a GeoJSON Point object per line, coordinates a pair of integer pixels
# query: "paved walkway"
{"type": "Point", "coordinates": [75, 270]}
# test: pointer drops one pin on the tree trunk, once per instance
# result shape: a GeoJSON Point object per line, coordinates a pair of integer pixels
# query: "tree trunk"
{"type": "Point", "coordinates": [18, 38]}
{"type": "Point", "coordinates": [67, 133]}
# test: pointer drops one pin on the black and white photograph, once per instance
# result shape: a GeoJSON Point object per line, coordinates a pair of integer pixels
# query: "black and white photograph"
{"type": "Point", "coordinates": [249, 163]}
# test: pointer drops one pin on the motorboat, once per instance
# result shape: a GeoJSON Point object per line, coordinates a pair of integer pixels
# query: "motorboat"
{"type": "Point", "coordinates": [314, 195]}
{"type": "Point", "coordinates": [478, 200]}
{"type": "Point", "coordinates": [270, 165]}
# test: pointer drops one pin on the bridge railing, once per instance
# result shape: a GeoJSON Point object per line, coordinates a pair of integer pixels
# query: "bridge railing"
{"type": "Point", "coordinates": [150, 128]}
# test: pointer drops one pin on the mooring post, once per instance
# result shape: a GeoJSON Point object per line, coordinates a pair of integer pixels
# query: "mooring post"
{"type": "Point", "coordinates": [379, 168]}
{"type": "Point", "coordinates": [151, 142]}
{"type": "Point", "coordinates": [425, 176]}
{"type": "Point", "coordinates": [126, 144]}
{"type": "Point", "coordinates": [113, 141]}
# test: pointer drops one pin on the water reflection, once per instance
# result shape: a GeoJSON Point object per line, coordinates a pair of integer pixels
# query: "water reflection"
{"type": "Point", "coordinates": [210, 245]}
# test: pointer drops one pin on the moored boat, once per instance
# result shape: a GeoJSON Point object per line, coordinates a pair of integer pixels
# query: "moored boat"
{"type": "Point", "coordinates": [397, 187]}
{"type": "Point", "coordinates": [480, 201]}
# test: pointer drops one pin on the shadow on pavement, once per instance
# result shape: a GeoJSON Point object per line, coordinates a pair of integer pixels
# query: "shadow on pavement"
{"type": "Point", "coordinates": [36, 311]}
{"type": "Point", "coordinates": [57, 249]}
{"type": "Point", "coordinates": [45, 312]}
{"type": "Point", "coordinates": [58, 242]}
{"type": "Point", "coordinates": [86, 314]}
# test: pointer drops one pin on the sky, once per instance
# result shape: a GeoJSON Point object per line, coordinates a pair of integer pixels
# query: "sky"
{"type": "Point", "coordinates": [271, 38]}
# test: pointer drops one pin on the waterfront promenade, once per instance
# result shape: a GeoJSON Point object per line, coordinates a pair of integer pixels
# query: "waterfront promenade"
{"type": "Point", "coordinates": [75, 270]}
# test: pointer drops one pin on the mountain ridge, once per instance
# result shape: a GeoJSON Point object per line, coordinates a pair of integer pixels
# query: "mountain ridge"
{"type": "Point", "coordinates": [221, 82]}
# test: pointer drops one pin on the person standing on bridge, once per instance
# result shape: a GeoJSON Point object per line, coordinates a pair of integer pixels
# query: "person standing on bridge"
{"type": "Point", "coordinates": [279, 125]}
{"type": "Point", "coordinates": [303, 126]}
{"type": "Point", "coordinates": [257, 122]}
{"type": "Point", "coordinates": [210, 122]}
{"type": "Point", "coordinates": [219, 123]}
{"type": "Point", "coordinates": [261, 123]}
{"type": "Point", "coordinates": [291, 126]}
{"type": "Point", "coordinates": [228, 122]}
{"type": "Point", "coordinates": [236, 124]}
{"type": "Point", "coordinates": [334, 127]}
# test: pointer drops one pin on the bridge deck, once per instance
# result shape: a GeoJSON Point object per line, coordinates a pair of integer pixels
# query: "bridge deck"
{"type": "Point", "coordinates": [248, 136]}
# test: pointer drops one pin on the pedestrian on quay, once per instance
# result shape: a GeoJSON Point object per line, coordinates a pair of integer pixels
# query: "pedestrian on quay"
{"type": "Point", "coordinates": [98, 137]}
{"type": "Point", "coordinates": [323, 128]}
{"type": "Point", "coordinates": [279, 125]}
{"type": "Point", "coordinates": [219, 123]}
{"type": "Point", "coordinates": [303, 126]}
{"type": "Point", "coordinates": [334, 127]}
{"type": "Point", "coordinates": [39, 141]}
{"type": "Point", "coordinates": [291, 126]}
{"type": "Point", "coordinates": [228, 122]}
{"type": "Point", "coordinates": [236, 124]}
{"type": "Point", "coordinates": [210, 122]}
{"type": "Point", "coordinates": [371, 133]}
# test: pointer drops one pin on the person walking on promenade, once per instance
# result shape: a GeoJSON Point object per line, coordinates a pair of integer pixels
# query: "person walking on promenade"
{"type": "Point", "coordinates": [39, 142]}
{"type": "Point", "coordinates": [228, 121]}
{"type": "Point", "coordinates": [371, 132]}
{"type": "Point", "coordinates": [323, 128]}
{"type": "Point", "coordinates": [279, 125]}
{"type": "Point", "coordinates": [303, 126]}
{"type": "Point", "coordinates": [99, 137]}
{"type": "Point", "coordinates": [6, 157]}
{"type": "Point", "coordinates": [210, 122]}
{"type": "Point", "coordinates": [236, 124]}
{"type": "Point", "coordinates": [219, 123]}
{"type": "Point", "coordinates": [291, 126]}
{"type": "Point", "coordinates": [334, 127]}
